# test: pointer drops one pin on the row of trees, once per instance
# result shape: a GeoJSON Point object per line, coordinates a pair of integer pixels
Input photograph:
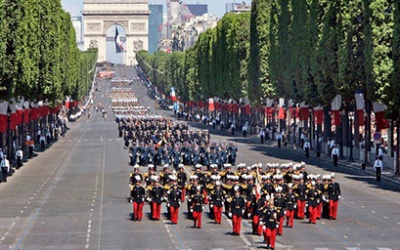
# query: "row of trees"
{"type": "Point", "coordinates": [39, 55]}
{"type": "Point", "coordinates": [303, 50]}
{"type": "Point", "coordinates": [216, 66]}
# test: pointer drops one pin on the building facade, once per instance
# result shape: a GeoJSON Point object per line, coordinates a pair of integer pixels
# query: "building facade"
{"type": "Point", "coordinates": [155, 26]}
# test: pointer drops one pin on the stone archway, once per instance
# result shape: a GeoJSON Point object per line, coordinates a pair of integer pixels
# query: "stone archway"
{"type": "Point", "coordinates": [132, 15]}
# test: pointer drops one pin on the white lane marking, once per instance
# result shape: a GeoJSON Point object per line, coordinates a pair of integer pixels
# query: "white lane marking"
{"type": "Point", "coordinates": [384, 248]}
{"type": "Point", "coordinates": [362, 206]}
{"type": "Point", "coordinates": [373, 212]}
{"type": "Point", "coordinates": [102, 196]}
{"type": "Point", "coordinates": [386, 217]}
{"type": "Point", "coordinates": [345, 236]}
{"type": "Point", "coordinates": [110, 140]}
{"type": "Point", "coordinates": [398, 223]}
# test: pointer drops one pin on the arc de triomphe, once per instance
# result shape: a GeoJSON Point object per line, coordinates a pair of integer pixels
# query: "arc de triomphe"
{"type": "Point", "coordinates": [132, 15]}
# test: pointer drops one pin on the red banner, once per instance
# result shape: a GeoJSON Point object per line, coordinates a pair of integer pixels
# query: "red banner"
{"type": "Point", "coordinates": [281, 114]}
{"type": "Point", "coordinates": [360, 117]}
{"type": "Point", "coordinates": [319, 116]}
{"type": "Point", "coordinates": [3, 123]}
{"type": "Point", "coordinates": [26, 115]}
{"type": "Point", "coordinates": [235, 108]}
{"type": "Point", "coordinates": [335, 117]}
{"type": "Point", "coordinates": [248, 109]}
{"type": "Point", "coordinates": [381, 122]}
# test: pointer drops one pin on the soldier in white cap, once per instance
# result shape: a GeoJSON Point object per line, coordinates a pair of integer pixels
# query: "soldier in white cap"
{"type": "Point", "coordinates": [138, 195]}
{"type": "Point", "coordinates": [217, 201]}
{"type": "Point", "coordinates": [313, 200]}
{"type": "Point", "coordinates": [197, 207]}
{"type": "Point", "coordinates": [174, 201]}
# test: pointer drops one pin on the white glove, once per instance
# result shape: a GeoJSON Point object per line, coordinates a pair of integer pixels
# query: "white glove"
{"type": "Point", "coordinates": [261, 223]}
{"type": "Point", "coordinates": [243, 211]}
{"type": "Point", "coordinates": [340, 197]}
{"type": "Point", "coordinates": [295, 206]}
{"type": "Point", "coordinates": [277, 225]}
{"type": "Point", "coordinates": [230, 214]}
{"type": "Point", "coordinates": [179, 202]}
{"type": "Point", "coordinates": [191, 210]}
{"type": "Point", "coordinates": [168, 205]}
{"type": "Point", "coordinates": [211, 205]}
{"type": "Point", "coordinates": [131, 201]}
{"type": "Point", "coordinates": [143, 199]}
{"type": "Point", "coordinates": [264, 227]}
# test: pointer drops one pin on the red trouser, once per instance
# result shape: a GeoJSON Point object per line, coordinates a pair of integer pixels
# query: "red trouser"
{"type": "Point", "coordinates": [319, 210]}
{"type": "Point", "coordinates": [156, 211]}
{"type": "Point", "coordinates": [138, 210]}
{"type": "Point", "coordinates": [217, 214]}
{"type": "Point", "coordinates": [312, 212]}
{"type": "Point", "coordinates": [197, 218]}
{"type": "Point", "coordinates": [256, 223]}
{"type": "Point", "coordinates": [280, 228]}
{"type": "Point", "coordinates": [300, 208]}
{"type": "Point", "coordinates": [174, 214]}
{"type": "Point", "coordinates": [290, 217]}
{"type": "Point", "coordinates": [248, 208]}
{"type": "Point", "coordinates": [236, 222]}
{"type": "Point", "coordinates": [270, 236]}
{"type": "Point", "coordinates": [333, 207]}
{"type": "Point", "coordinates": [183, 194]}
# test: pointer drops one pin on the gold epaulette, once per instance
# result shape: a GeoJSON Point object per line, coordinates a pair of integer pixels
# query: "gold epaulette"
{"type": "Point", "coordinates": [222, 173]}
{"type": "Point", "coordinates": [188, 187]}
{"type": "Point", "coordinates": [243, 185]}
{"type": "Point", "coordinates": [150, 188]}
{"type": "Point", "coordinates": [131, 174]}
{"type": "Point", "coordinates": [167, 187]}
{"type": "Point", "coordinates": [229, 187]}
{"type": "Point", "coordinates": [309, 186]}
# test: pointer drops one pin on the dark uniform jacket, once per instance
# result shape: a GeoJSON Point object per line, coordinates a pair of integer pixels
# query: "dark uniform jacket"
{"type": "Point", "coordinates": [301, 192]}
{"type": "Point", "coordinates": [156, 194]}
{"type": "Point", "coordinates": [217, 197]}
{"type": "Point", "coordinates": [291, 201]}
{"type": "Point", "coordinates": [313, 197]}
{"type": "Point", "coordinates": [174, 197]}
{"type": "Point", "coordinates": [270, 218]}
{"type": "Point", "coordinates": [197, 203]}
{"type": "Point", "coordinates": [138, 194]}
{"type": "Point", "coordinates": [280, 205]}
{"type": "Point", "coordinates": [334, 191]}
{"type": "Point", "coordinates": [237, 205]}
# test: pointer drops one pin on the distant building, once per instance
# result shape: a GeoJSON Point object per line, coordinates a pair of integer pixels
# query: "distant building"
{"type": "Point", "coordinates": [77, 23]}
{"type": "Point", "coordinates": [237, 7]}
{"type": "Point", "coordinates": [155, 26]}
{"type": "Point", "coordinates": [198, 9]}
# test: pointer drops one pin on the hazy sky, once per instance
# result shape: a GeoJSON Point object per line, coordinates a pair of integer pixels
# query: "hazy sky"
{"type": "Point", "coordinates": [216, 7]}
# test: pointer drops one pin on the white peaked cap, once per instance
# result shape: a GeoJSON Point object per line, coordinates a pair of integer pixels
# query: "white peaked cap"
{"type": "Point", "coordinates": [278, 189]}
{"type": "Point", "coordinates": [155, 178]}
{"type": "Point", "coordinates": [290, 185]}
{"type": "Point", "coordinates": [213, 166]}
{"type": "Point", "coordinates": [313, 183]}
{"type": "Point", "coordinates": [218, 183]}
{"type": "Point", "coordinates": [194, 177]}
{"type": "Point", "coordinates": [150, 166]}
{"type": "Point", "coordinates": [198, 166]}
{"type": "Point", "coordinates": [241, 165]}
{"type": "Point", "coordinates": [136, 166]}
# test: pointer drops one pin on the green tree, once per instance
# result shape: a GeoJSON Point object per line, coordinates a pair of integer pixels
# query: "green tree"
{"type": "Point", "coordinates": [259, 84]}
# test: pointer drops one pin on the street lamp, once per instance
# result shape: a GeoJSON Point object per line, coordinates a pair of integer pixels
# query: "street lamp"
{"type": "Point", "coordinates": [8, 133]}
{"type": "Point", "coordinates": [351, 118]}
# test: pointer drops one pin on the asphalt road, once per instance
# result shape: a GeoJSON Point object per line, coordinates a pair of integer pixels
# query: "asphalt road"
{"type": "Point", "coordinates": [73, 196]}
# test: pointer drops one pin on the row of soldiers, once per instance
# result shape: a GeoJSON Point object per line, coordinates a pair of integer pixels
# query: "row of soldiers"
{"type": "Point", "coordinates": [266, 197]}
{"type": "Point", "coordinates": [183, 153]}
{"type": "Point", "coordinates": [149, 130]}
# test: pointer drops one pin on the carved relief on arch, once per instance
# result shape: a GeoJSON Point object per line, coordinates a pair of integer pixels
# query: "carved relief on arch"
{"type": "Point", "coordinates": [93, 44]}
{"type": "Point", "coordinates": [137, 27]}
{"type": "Point", "coordinates": [137, 45]}
{"type": "Point", "coordinates": [123, 23]}
{"type": "Point", "coordinates": [93, 27]}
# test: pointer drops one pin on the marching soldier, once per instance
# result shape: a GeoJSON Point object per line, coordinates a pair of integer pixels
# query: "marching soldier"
{"type": "Point", "coordinates": [280, 206]}
{"type": "Point", "coordinates": [301, 198]}
{"type": "Point", "coordinates": [182, 181]}
{"type": "Point", "coordinates": [156, 193]}
{"type": "Point", "coordinates": [236, 212]}
{"type": "Point", "coordinates": [270, 224]}
{"type": "Point", "coordinates": [217, 202]}
{"type": "Point", "coordinates": [197, 207]}
{"type": "Point", "coordinates": [313, 200]}
{"type": "Point", "coordinates": [261, 205]}
{"type": "Point", "coordinates": [174, 201]}
{"type": "Point", "coordinates": [138, 196]}
{"type": "Point", "coordinates": [334, 196]}
{"type": "Point", "coordinates": [291, 205]}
